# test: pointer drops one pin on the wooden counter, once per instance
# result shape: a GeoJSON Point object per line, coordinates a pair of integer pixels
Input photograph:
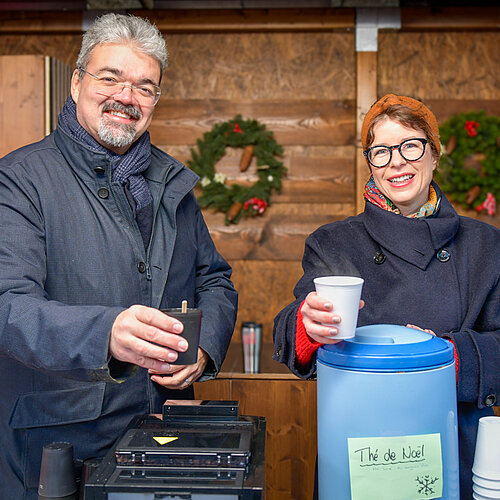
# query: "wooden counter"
{"type": "Point", "coordinates": [289, 405]}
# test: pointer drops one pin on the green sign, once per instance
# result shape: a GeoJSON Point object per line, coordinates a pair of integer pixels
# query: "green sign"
{"type": "Point", "coordinates": [396, 468]}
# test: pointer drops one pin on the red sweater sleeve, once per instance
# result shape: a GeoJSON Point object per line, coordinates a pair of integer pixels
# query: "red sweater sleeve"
{"type": "Point", "coordinates": [456, 359]}
{"type": "Point", "coordinates": [305, 346]}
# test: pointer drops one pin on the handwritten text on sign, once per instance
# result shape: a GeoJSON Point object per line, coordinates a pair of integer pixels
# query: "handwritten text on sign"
{"type": "Point", "coordinates": [395, 468]}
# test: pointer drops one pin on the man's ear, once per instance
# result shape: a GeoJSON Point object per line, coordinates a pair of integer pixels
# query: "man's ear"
{"type": "Point", "coordinates": [75, 85]}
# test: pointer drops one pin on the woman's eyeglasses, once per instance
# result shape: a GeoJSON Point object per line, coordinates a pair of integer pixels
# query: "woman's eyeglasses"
{"type": "Point", "coordinates": [146, 93]}
{"type": "Point", "coordinates": [410, 150]}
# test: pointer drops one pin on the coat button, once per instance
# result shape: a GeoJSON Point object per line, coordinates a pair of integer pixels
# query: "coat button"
{"type": "Point", "coordinates": [443, 255]}
{"type": "Point", "coordinates": [379, 257]}
{"type": "Point", "coordinates": [141, 267]}
{"type": "Point", "coordinates": [490, 400]}
{"type": "Point", "coordinates": [100, 170]}
{"type": "Point", "coordinates": [103, 193]}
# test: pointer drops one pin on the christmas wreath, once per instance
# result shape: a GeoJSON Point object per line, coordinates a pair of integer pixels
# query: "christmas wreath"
{"type": "Point", "coordinates": [469, 168]}
{"type": "Point", "coordinates": [237, 200]}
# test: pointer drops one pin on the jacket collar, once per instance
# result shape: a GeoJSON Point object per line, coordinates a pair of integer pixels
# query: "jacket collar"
{"type": "Point", "coordinates": [87, 163]}
{"type": "Point", "coordinates": [414, 240]}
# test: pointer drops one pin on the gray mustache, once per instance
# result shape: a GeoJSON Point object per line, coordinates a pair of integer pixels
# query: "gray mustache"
{"type": "Point", "coordinates": [116, 106]}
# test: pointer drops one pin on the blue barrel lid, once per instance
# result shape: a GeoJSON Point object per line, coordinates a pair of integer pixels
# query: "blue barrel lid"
{"type": "Point", "coordinates": [388, 348]}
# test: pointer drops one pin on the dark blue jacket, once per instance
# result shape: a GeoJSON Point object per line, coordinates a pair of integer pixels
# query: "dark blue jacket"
{"type": "Point", "coordinates": [71, 259]}
{"type": "Point", "coordinates": [456, 297]}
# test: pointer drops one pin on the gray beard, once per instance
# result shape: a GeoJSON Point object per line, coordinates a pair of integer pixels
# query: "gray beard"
{"type": "Point", "coordinates": [114, 135]}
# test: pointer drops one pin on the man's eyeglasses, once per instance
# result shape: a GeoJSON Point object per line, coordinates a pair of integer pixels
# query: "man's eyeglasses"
{"type": "Point", "coordinates": [146, 93]}
{"type": "Point", "coordinates": [410, 150]}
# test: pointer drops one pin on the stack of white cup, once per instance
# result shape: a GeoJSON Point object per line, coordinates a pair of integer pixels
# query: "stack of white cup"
{"type": "Point", "coordinates": [486, 468]}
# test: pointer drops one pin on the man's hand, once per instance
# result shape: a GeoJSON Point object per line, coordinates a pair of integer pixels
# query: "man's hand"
{"type": "Point", "coordinates": [146, 337]}
{"type": "Point", "coordinates": [181, 376]}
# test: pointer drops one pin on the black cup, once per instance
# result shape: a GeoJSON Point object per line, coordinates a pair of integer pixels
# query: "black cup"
{"type": "Point", "coordinates": [57, 475]}
{"type": "Point", "coordinates": [191, 320]}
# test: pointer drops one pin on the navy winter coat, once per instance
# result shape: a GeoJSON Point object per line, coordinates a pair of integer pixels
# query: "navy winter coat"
{"type": "Point", "coordinates": [440, 272]}
{"type": "Point", "coordinates": [71, 259]}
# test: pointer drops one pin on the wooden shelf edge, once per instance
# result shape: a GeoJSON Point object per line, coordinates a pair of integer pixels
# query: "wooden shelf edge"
{"type": "Point", "coordinates": [259, 376]}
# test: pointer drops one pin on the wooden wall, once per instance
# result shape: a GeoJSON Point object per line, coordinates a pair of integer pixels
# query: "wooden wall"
{"type": "Point", "coordinates": [303, 90]}
{"type": "Point", "coordinates": [298, 73]}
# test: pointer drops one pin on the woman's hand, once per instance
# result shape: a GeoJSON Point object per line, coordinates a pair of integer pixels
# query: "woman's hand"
{"type": "Point", "coordinates": [317, 310]}
{"type": "Point", "coordinates": [421, 329]}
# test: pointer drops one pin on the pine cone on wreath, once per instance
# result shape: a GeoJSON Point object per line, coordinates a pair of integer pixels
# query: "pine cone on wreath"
{"type": "Point", "coordinates": [246, 158]}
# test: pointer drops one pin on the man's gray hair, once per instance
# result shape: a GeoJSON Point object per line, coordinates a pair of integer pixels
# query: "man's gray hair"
{"type": "Point", "coordinates": [119, 28]}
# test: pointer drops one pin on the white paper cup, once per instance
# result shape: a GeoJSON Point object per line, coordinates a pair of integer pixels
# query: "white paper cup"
{"type": "Point", "coordinates": [485, 492]}
{"type": "Point", "coordinates": [344, 293]}
{"type": "Point", "coordinates": [477, 496]}
{"type": "Point", "coordinates": [492, 484]}
{"type": "Point", "coordinates": [487, 453]}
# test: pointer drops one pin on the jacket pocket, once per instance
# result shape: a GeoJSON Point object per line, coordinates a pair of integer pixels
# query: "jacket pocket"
{"type": "Point", "coordinates": [59, 407]}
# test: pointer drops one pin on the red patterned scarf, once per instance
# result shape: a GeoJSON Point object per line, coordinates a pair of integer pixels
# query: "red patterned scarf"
{"type": "Point", "coordinates": [375, 196]}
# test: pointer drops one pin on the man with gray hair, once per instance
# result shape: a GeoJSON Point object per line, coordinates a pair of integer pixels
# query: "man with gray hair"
{"type": "Point", "coordinates": [99, 230]}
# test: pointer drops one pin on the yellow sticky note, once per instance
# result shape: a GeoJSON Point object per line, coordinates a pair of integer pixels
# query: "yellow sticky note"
{"type": "Point", "coordinates": [164, 440]}
{"type": "Point", "coordinates": [391, 468]}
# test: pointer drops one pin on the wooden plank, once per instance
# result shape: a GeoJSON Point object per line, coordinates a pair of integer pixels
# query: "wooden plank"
{"type": "Point", "coordinates": [191, 21]}
{"type": "Point", "coordinates": [61, 46]}
{"type": "Point", "coordinates": [366, 95]}
{"type": "Point", "coordinates": [26, 22]}
{"type": "Point", "coordinates": [261, 67]}
{"type": "Point", "coordinates": [453, 19]}
{"type": "Point", "coordinates": [311, 167]}
{"type": "Point", "coordinates": [290, 411]}
{"type": "Point", "coordinates": [440, 65]}
{"type": "Point", "coordinates": [22, 101]}
{"type": "Point", "coordinates": [265, 238]}
{"type": "Point", "coordinates": [213, 389]}
{"type": "Point", "coordinates": [291, 154]}
{"type": "Point", "coordinates": [292, 210]}
{"type": "Point", "coordinates": [213, 20]}
{"type": "Point", "coordinates": [241, 20]}
{"type": "Point", "coordinates": [445, 108]}
{"type": "Point", "coordinates": [339, 189]}
{"type": "Point", "coordinates": [312, 122]}
{"type": "Point", "coordinates": [298, 167]}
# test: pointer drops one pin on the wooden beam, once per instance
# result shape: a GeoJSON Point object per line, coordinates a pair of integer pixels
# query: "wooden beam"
{"type": "Point", "coordinates": [279, 237]}
{"type": "Point", "coordinates": [215, 20]}
{"type": "Point", "coordinates": [311, 121]}
{"type": "Point", "coordinates": [275, 20]}
{"type": "Point", "coordinates": [366, 95]}
{"type": "Point", "coordinates": [192, 21]}
{"type": "Point", "coordinates": [450, 19]}
{"type": "Point", "coordinates": [40, 22]}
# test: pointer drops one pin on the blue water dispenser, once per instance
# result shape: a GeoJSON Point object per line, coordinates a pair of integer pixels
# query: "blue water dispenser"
{"type": "Point", "coordinates": [387, 416]}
